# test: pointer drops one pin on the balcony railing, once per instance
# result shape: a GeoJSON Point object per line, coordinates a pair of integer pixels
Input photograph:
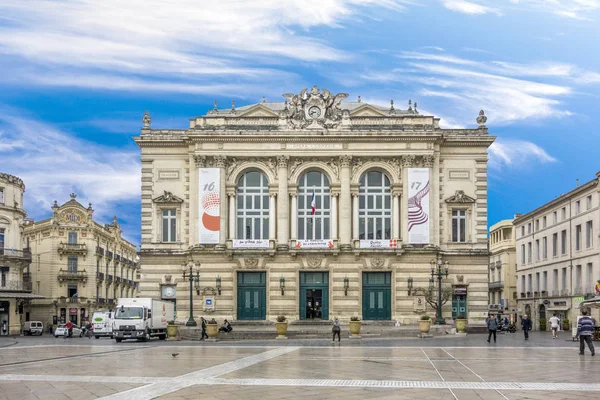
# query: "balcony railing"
{"type": "Point", "coordinates": [109, 279]}
{"type": "Point", "coordinates": [111, 301]}
{"type": "Point", "coordinates": [578, 291]}
{"type": "Point", "coordinates": [555, 293]}
{"type": "Point", "coordinates": [496, 285]}
{"type": "Point", "coordinates": [14, 253]}
{"type": "Point", "coordinates": [529, 294]}
{"type": "Point", "coordinates": [14, 285]}
{"type": "Point", "coordinates": [101, 300]}
{"type": "Point", "coordinates": [117, 258]}
{"type": "Point", "coordinates": [72, 275]}
{"type": "Point", "coordinates": [72, 248]}
{"type": "Point", "coordinates": [544, 293]}
{"type": "Point", "coordinates": [117, 280]}
{"type": "Point", "coordinates": [99, 250]}
{"type": "Point", "coordinates": [522, 295]}
{"type": "Point", "coordinates": [109, 254]}
{"type": "Point", "coordinates": [564, 292]}
{"type": "Point", "coordinates": [100, 276]}
{"type": "Point", "coordinates": [536, 294]}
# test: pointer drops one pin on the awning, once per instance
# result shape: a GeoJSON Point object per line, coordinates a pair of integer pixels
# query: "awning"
{"type": "Point", "coordinates": [558, 308]}
{"type": "Point", "coordinates": [17, 295]}
{"type": "Point", "coordinates": [592, 303]}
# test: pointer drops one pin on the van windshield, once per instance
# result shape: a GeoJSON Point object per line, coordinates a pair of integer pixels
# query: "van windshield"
{"type": "Point", "coordinates": [129, 313]}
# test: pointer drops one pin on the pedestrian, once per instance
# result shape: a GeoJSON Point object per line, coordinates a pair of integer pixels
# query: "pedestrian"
{"type": "Point", "coordinates": [585, 329]}
{"type": "Point", "coordinates": [526, 326]}
{"type": "Point", "coordinates": [336, 329]}
{"type": "Point", "coordinates": [492, 326]}
{"type": "Point", "coordinates": [204, 335]}
{"type": "Point", "coordinates": [226, 327]}
{"type": "Point", "coordinates": [554, 323]}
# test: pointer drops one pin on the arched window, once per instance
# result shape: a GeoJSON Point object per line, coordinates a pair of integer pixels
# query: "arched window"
{"type": "Point", "coordinates": [317, 225]}
{"type": "Point", "coordinates": [375, 206]}
{"type": "Point", "coordinates": [252, 206]}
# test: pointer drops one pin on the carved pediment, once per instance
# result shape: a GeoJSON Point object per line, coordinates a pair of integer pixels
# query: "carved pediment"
{"type": "Point", "coordinates": [460, 197]}
{"type": "Point", "coordinates": [257, 110]}
{"type": "Point", "coordinates": [367, 110]}
{"type": "Point", "coordinates": [167, 197]}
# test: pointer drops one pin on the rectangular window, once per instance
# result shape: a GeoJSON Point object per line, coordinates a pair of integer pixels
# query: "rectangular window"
{"type": "Point", "coordinates": [577, 207]}
{"type": "Point", "coordinates": [72, 290]}
{"type": "Point", "coordinates": [555, 280]}
{"type": "Point", "coordinates": [544, 222]}
{"type": "Point", "coordinates": [537, 250]}
{"type": "Point", "coordinates": [564, 279]}
{"type": "Point", "coordinates": [544, 247]}
{"type": "Point", "coordinates": [72, 237]}
{"type": "Point", "coordinates": [522, 254]}
{"type": "Point", "coordinates": [529, 252]}
{"type": "Point", "coordinates": [523, 231]}
{"type": "Point", "coordinates": [169, 225]}
{"type": "Point", "coordinates": [529, 283]}
{"type": "Point", "coordinates": [1, 195]}
{"type": "Point", "coordinates": [537, 225]}
{"type": "Point", "coordinates": [545, 281]}
{"type": "Point", "coordinates": [72, 264]}
{"type": "Point", "coordinates": [554, 217]}
{"type": "Point", "coordinates": [537, 282]}
{"type": "Point", "coordinates": [523, 284]}
{"type": "Point", "coordinates": [529, 228]}
{"type": "Point", "coordinates": [589, 278]}
{"type": "Point", "coordinates": [555, 245]}
{"type": "Point", "coordinates": [2, 238]}
{"type": "Point", "coordinates": [563, 242]}
{"type": "Point", "coordinates": [459, 224]}
{"type": "Point", "coordinates": [589, 231]}
{"type": "Point", "coordinates": [563, 213]}
{"type": "Point", "coordinates": [578, 278]}
{"type": "Point", "coordinates": [578, 237]}
{"type": "Point", "coordinates": [588, 202]}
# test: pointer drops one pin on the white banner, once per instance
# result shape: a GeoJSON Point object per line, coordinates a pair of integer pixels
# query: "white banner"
{"type": "Point", "coordinates": [314, 244]}
{"type": "Point", "coordinates": [378, 244]}
{"type": "Point", "coordinates": [209, 194]}
{"type": "Point", "coordinates": [250, 244]}
{"type": "Point", "coordinates": [418, 206]}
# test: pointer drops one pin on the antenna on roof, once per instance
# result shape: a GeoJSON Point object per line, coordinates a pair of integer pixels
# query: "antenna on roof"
{"type": "Point", "coordinates": [215, 106]}
{"type": "Point", "coordinates": [577, 182]}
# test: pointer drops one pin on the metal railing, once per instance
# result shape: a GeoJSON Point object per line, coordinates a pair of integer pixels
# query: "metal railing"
{"type": "Point", "coordinates": [564, 292]}
{"type": "Point", "coordinates": [496, 285]}
{"type": "Point", "coordinates": [72, 275]}
{"type": "Point", "coordinates": [555, 293]}
{"type": "Point", "coordinates": [73, 248]}
{"type": "Point", "coordinates": [99, 250]}
{"type": "Point", "coordinates": [578, 291]}
{"type": "Point", "coordinates": [14, 285]}
{"type": "Point", "coordinates": [100, 276]}
{"type": "Point", "coordinates": [529, 294]}
{"type": "Point", "coordinates": [109, 278]}
{"type": "Point", "coordinates": [14, 253]}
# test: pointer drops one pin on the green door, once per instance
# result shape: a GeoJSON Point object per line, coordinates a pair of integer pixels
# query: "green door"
{"type": "Point", "coordinates": [377, 296]}
{"type": "Point", "coordinates": [459, 306]}
{"type": "Point", "coordinates": [314, 295]}
{"type": "Point", "coordinates": [252, 296]}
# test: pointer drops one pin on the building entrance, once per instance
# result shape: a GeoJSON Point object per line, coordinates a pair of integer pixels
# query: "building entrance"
{"type": "Point", "coordinates": [314, 295]}
{"type": "Point", "coordinates": [459, 303]}
{"type": "Point", "coordinates": [376, 296]}
{"type": "Point", "coordinates": [4, 318]}
{"type": "Point", "coordinates": [252, 296]}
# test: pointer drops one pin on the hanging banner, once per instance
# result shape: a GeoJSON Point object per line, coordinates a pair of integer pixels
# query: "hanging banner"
{"type": "Point", "coordinates": [209, 193]}
{"type": "Point", "coordinates": [250, 244]}
{"type": "Point", "coordinates": [418, 206]}
{"type": "Point", "coordinates": [314, 244]}
{"type": "Point", "coordinates": [379, 244]}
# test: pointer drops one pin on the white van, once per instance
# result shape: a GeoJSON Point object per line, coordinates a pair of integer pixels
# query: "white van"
{"type": "Point", "coordinates": [102, 321]}
{"type": "Point", "coordinates": [33, 328]}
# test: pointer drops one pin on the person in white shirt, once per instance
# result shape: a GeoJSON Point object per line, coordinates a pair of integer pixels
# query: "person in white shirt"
{"type": "Point", "coordinates": [554, 323]}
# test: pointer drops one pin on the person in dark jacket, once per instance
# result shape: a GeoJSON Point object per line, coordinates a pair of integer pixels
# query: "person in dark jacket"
{"type": "Point", "coordinates": [204, 335]}
{"type": "Point", "coordinates": [492, 326]}
{"type": "Point", "coordinates": [526, 326]}
{"type": "Point", "coordinates": [585, 330]}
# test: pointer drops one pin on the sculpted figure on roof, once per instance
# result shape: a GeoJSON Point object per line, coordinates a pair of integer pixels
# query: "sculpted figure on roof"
{"type": "Point", "coordinates": [313, 110]}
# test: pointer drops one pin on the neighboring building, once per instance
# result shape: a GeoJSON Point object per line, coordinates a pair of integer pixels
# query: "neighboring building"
{"type": "Point", "coordinates": [315, 208]}
{"type": "Point", "coordinates": [15, 287]}
{"type": "Point", "coordinates": [78, 265]}
{"type": "Point", "coordinates": [558, 254]}
{"type": "Point", "coordinates": [503, 273]}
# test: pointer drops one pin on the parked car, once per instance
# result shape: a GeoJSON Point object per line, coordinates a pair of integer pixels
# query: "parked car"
{"type": "Point", "coordinates": [60, 331]}
{"type": "Point", "coordinates": [33, 328]}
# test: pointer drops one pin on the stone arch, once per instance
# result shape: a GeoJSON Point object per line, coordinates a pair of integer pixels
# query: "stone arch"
{"type": "Point", "coordinates": [378, 166]}
{"type": "Point", "coordinates": [246, 166]}
{"type": "Point", "coordinates": [308, 166]}
{"type": "Point", "coordinates": [5, 220]}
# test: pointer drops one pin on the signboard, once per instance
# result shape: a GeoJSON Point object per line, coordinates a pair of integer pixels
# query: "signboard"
{"type": "Point", "coordinates": [378, 244]}
{"type": "Point", "coordinates": [460, 291]}
{"type": "Point", "coordinates": [250, 244]}
{"type": "Point", "coordinates": [209, 194]}
{"type": "Point", "coordinates": [418, 205]}
{"type": "Point", "coordinates": [73, 311]}
{"type": "Point", "coordinates": [314, 244]}
{"type": "Point", "coordinates": [209, 303]}
{"type": "Point", "coordinates": [419, 303]}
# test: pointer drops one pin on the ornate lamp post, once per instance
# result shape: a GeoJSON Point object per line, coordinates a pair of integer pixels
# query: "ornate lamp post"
{"type": "Point", "coordinates": [439, 268]}
{"type": "Point", "coordinates": [192, 277]}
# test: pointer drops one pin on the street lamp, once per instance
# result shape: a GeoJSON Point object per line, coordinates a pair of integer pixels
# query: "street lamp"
{"type": "Point", "coordinates": [440, 271]}
{"type": "Point", "coordinates": [190, 276]}
{"type": "Point", "coordinates": [410, 285]}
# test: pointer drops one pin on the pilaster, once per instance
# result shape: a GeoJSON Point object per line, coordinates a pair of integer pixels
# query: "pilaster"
{"type": "Point", "coordinates": [283, 218]}
{"type": "Point", "coordinates": [345, 203]}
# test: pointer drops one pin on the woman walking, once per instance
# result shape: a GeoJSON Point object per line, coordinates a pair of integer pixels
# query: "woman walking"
{"type": "Point", "coordinates": [336, 329]}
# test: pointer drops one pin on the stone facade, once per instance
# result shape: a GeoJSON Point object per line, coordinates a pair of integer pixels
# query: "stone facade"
{"type": "Point", "coordinates": [78, 265]}
{"type": "Point", "coordinates": [15, 287]}
{"type": "Point", "coordinates": [342, 153]}
{"type": "Point", "coordinates": [558, 254]}
{"type": "Point", "coordinates": [503, 273]}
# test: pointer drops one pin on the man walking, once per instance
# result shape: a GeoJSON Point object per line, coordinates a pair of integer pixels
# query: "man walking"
{"type": "Point", "coordinates": [204, 335]}
{"type": "Point", "coordinates": [585, 329]}
{"type": "Point", "coordinates": [554, 323]}
{"type": "Point", "coordinates": [526, 326]}
{"type": "Point", "coordinates": [492, 325]}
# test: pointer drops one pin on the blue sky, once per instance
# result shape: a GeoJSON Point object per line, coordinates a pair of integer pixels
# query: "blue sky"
{"type": "Point", "coordinates": [77, 75]}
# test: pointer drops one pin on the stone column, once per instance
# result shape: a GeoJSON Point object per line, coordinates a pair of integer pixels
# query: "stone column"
{"type": "Point", "coordinates": [355, 216]}
{"type": "Point", "coordinates": [221, 163]}
{"type": "Point", "coordinates": [345, 203]}
{"type": "Point", "coordinates": [396, 215]}
{"type": "Point", "coordinates": [334, 216]}
{"type": "Point", "coordinates": [283, 218]}
{"type": "Point", "coordinates": [199, 162]}
{"type": "Point", "coordinates": [429, 161]}
{"type": "Point", "coordinates": [232, 218]}
{"type": "Point", "coordinates": [294, 216]}
{"type": "Point", "coordinates": [272, 216]}
{"type": "Point", "coordinates": [407, 162]}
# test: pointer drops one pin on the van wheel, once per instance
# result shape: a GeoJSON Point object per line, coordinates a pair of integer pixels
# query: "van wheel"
{"type": "Point", "coordinates": [118, 340]}
{"type": "Point", "coordinates": [162, 337]}
{"type": "Point", "coordinates": [97, 337]}
{"type": "Point", "coordinates": [147, 336]}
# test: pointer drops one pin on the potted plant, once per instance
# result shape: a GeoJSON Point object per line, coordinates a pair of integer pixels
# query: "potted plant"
{"type": "Point", "coordinates": [355, 325]}
{"type": "Point", "coordinates": [543, 323]}
{"type": "Point", "coordinates": [425, 324]}
{"type": "Point", "coordinates": [461, 324]}
{"type": "Point", "coordinates": [281, 326]}
{"type": "Point", "coordinates": [171, 329]}
{"type": "Point", "coordinates": [212, 328]}
{"type": "Point", "coordinates": [566, 325]}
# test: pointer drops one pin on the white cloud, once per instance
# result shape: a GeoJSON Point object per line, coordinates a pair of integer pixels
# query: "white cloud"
{"type": "Point", "coordinates": [54, 164]}
{"type": "Point", "coordinates": [507, 153]}
{"type": "Point", "coordinates": [470, 8]}
{"type": "Point", "coordinates": [573, 9]}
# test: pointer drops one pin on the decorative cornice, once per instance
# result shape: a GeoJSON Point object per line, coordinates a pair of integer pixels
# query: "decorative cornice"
{"type": "Point", "coordinates": [460, 198]}
{"type": "Point", "coordinates": [408, 160]}
{"type": "Point", "coordinates": [15, 180]}
{"type": "Point", "coordinates": [345, 160]}
{"type": "Point", "coordinates": [282, 161]}
{"type": "Point", "coordinates": [220, 161]}
{"type": "Point", "coordinates": [428, 161]}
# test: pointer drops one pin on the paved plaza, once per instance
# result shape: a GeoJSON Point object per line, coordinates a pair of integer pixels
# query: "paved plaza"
{"type": "Point", "coordinates": [439, 368]}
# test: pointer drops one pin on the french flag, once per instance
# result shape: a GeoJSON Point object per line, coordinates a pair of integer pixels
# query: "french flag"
{"type": "Point", "coordinates": [313, 204]}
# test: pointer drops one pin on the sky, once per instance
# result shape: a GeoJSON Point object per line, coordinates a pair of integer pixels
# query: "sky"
{"type": "Point", "coordinates": [77, 75]}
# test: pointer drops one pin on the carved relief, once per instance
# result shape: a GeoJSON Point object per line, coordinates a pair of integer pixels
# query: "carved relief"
{"type": "Point", "coordinates": [345, 161]}
{"type": "Point", "coordinates": [377, 262]}
{"type": "Point", "coordinates": [251, 262]}
{"type": "Point", "coordinates": [297, 162]}
{"type": "Point", "coordinates": [395, 164]}
{"type": "Point", "coordinates": [460, 197]}
{"type": "Point", "coordinates": [167, 197]}
{"type": "Point", "coordinates": [167, 278]}
{"type": "Point", "coordinates": [333, 164]}
{"type": "Point", "coordinates": [200, 161]}
{"type": "Point", "coordinates": [428, 161]}
{"type": "Point", "coordinates": [408, 160]}
{"type": "Point", "coordinates": [313, 110]}
{"type": "Point", "coordinates": [282, 161]}
{"type": "Point", "coordinates": [314, 262]}
{"type": "Point", "coordinates": [220, 161]}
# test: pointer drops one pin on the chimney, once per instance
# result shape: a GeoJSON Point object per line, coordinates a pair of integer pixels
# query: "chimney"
{"type": "Point", "coordinates": [518, 215]}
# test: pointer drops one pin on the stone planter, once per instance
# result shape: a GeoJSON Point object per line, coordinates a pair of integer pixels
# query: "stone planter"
{"type": "Point", "coordinates": [355, 328]}
{"type": "Point", "coordinates": [281, 329]}
{"type": "Point", "coordinates": [212, 330]}
{"type": "Point", "coordinates": [172, 331]}
{"type": "Point", "coordinates": [461, 325]}
{"type": "Point", "coordinates": [424, 326]}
